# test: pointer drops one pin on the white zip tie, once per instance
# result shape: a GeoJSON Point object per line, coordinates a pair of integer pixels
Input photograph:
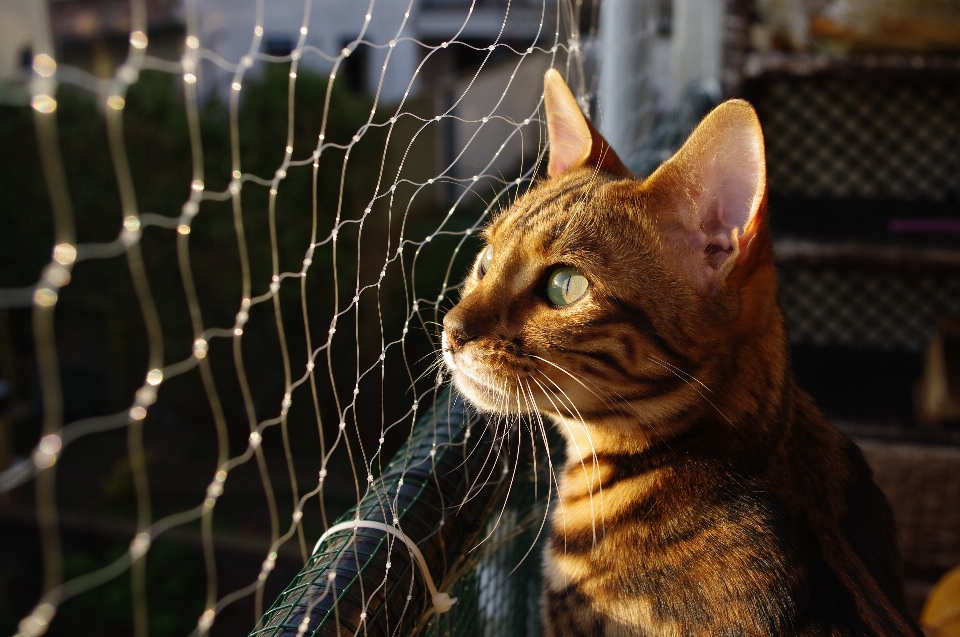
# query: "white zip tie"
{"type": "Point", "coordinates": [442, 602]}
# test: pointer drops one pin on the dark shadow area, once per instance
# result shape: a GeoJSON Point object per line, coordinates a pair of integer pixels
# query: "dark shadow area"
{"type": "Point", "coordinates": [857, 385]}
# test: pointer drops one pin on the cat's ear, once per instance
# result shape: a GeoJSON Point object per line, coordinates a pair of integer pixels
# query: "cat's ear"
{"type": "Point", "coordinates": [574, 143]}
{"type": "Point", "coordinates": [711, 192]}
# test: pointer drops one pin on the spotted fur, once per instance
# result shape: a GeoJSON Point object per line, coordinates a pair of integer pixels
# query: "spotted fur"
{"type": "Point", "coordinates": [703, 492]}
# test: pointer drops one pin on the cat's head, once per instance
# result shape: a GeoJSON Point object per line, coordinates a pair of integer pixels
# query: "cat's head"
{"type": "Point", "coordinates": [600, 297]}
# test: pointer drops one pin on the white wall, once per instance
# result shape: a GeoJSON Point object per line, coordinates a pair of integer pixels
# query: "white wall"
{"type": "Point", "coordinates": [697, 43]}
{"type": "Point", "coordinates": [503, 94]}
{"type": "Point", "coordinates": [227, 28]}
{"type": "Point", "coordinates": [14, 38]}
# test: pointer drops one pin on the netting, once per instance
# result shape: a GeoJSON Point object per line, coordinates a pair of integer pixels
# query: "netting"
{"type": "Point", "coordinates": [228, 239]}
{"type": "Point", "coordinates": [229, 232]}
{"type": "Point", "coordinates": [866, 163]}
{"type": "Point", "coordinates": [860, 308]}
{"type": "Point", "coordinates": [832, 137]}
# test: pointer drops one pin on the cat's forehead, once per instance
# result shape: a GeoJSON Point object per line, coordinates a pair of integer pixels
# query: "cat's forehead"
{"type": "Point", "coordinates": [574, 214]}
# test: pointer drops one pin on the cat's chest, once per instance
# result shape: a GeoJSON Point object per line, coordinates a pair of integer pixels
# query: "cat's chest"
{"type": "Point", "coordinates": [605, 529]}
{"type": "Point", "coordinates": [629, 599]}
{"type": "Point", "coordinates": [633, 542]}
{"type": "Point", "coordinates": [635, 581]}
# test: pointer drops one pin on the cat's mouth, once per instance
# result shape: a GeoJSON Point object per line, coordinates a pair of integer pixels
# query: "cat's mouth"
{"type": "Point", "coordinates": [482, 389]}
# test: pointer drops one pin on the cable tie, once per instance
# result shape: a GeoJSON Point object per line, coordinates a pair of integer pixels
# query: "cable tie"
{"type": "Point", "coordinates": [442, 602]}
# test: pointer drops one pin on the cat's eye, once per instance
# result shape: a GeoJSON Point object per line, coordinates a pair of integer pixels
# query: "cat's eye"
{"type": "Point", "coordinates": [566, 285]}
{"type": "Point", "coordinates": [485, 260]}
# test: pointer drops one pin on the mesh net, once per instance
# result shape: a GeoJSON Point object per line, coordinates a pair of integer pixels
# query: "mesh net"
{"type": "Point", "coordinates": [232, 232]}
{"type": "Point", "coordinates": [839, 137]}
{"type": "Point", "coordinates": [866, 308]}
{"type": "Point", "coordinates": [870, 163]}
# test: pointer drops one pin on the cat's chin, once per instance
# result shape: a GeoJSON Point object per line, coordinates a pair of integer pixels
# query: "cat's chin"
{"type": "Point", "coordinates": [484, 398]}
{"type": "Point", "coordinates": [480, 393]}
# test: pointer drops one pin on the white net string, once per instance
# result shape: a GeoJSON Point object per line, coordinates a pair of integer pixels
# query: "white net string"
{"type": "Point", "coordinates": [406, 243]}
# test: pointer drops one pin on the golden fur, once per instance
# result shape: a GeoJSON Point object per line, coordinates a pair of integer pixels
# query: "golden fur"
{"type": "Point", "coordinates": [703, 493]}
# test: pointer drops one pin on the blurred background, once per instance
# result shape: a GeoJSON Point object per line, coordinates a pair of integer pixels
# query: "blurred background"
{"type": "Point", "coordinates": [195, 193]}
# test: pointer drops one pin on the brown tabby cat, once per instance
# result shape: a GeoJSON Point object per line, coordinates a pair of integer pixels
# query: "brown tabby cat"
{"type": "Point", "coordinates": [704, 493]}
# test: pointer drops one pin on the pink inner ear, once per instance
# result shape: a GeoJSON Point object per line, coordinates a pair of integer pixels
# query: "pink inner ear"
{"type": "Point", "coordinates": [716, 183]}
{"type": "Point", "coordinates": [724, 159]}
{"type": "Point", "coordinates": [570, 138]}
{"type": "Point", "coordinates": [567, 147]}
{"type": "Point", "coordinates": [733, 181]}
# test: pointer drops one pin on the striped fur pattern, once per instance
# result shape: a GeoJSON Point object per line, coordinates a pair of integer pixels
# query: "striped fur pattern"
{"type": "Point", "coordinates": [703, 493]}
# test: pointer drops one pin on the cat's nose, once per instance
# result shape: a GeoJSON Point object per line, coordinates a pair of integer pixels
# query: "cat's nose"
{"type": "Point", "coordinates": [458, 332]}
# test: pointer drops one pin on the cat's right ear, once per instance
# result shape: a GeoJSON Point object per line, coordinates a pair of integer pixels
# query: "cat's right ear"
{"type": "Point", "coordinates": [710, 194]}
{"type": "Point", "coordinates": [574, 142]}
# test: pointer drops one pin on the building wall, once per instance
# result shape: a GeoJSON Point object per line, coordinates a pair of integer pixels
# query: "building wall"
{"type": "Point", "coordinates": [14, 39]}
{"type": "Point", "coordinates": [227, 28]}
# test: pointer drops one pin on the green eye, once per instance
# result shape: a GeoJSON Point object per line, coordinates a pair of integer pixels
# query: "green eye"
{"type": "Point", "coordinates": [565, 286]}
{"type": "Point", "coordinates": [485, 260]}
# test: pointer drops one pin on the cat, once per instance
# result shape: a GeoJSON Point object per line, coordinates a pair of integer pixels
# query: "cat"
{"type": "Point", "coordinates": [703, 492]}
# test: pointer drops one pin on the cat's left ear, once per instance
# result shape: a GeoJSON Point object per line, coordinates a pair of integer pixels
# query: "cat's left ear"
{"type": "Point", "coordinates": [574, 142]}
{"type": "Point", "coordinates": [711, 192]}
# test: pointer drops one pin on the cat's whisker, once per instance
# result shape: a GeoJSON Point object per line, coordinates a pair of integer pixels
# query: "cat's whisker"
{"type": "Point", "coordinates": [480, 472]}
{"type": "Point", "coordinates": [546, 510]}
{"type": "Point", "coordinates": [435, 365]}
{"type": "Point", "coordinates": [579, 208]}
{"type": "Point", "coordinates": [483, 477]}
{"type": "Point", "coordinates": [617, 406]}
{"type": "Point", "coordinates": [595, 465]}
{"type": "Point", "coordinates": [506, 498]}
{"type": "Point", "coordinates": [679, 371]}
{"type": "Point", "coordinates": [497, 200]}
{"type": "Point", "coordinates": [569, 373]}
{"type": "Point", "coordinates": [512, 476]}
{"type": "Point", "coordinates": [578, 416]}
{"type": "Point", "coordinates": [561, 513]}
{"type": "Point", "coordinates": [692, 386]}
{"type": "Point", "coordinates": [486, 204]}
{"type": "Point", "coordinates": [546, 444]}
{"type": "Point", "coordinates": [533, 445]}
{"type": "Point", "coordinates": [475, 449]}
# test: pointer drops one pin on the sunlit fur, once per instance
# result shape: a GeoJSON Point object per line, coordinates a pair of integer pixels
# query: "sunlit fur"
{"type": "Point", "coordinates": [703, 493]}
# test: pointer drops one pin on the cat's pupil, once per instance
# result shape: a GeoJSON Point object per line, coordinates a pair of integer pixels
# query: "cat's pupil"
{"type": "Point", "coordinates": [566, 285]}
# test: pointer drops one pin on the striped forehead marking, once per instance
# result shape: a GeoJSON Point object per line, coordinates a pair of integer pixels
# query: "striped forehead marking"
{"type": "Point", "coordinates": [559, 199]}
